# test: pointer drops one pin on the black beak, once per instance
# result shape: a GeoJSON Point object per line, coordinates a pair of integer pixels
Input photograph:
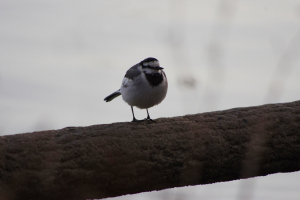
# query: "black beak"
{"type": "Point", "coordinates": [159, 68]}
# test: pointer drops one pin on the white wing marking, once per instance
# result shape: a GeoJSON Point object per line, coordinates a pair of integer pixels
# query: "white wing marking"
{"type": "Point", "coordinates": [125, 81]}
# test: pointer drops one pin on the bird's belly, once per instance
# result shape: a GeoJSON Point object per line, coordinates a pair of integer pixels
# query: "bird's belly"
{"type": "Point", "coordinates": [144, 96]}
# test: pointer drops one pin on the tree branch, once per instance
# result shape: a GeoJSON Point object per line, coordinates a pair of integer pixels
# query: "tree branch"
{"type": "Point", "coordinates": [124, 158]}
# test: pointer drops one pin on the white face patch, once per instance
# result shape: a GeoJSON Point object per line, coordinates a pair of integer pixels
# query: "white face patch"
{"type": "Point", "coordinates": [154, 64]}
{"type": "Point", "coordinates": [151, 71]}
{"type": "Point", "coordinates": [151, 64]}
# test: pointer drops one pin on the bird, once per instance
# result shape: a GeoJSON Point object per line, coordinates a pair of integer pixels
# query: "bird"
{"type": "Point", "coordinates": [144, 86]}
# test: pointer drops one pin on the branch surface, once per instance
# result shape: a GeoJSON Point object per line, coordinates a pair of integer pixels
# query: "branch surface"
{"type": "Point", "coordinates": [99, 161]}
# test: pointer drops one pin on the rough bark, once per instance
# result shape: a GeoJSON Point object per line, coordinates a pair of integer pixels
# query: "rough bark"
{"type": "Point", "coordinates": [124, 158]}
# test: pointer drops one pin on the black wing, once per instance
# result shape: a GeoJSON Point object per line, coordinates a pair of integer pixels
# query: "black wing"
{"type": "Point", "coordinates": [133, 72]}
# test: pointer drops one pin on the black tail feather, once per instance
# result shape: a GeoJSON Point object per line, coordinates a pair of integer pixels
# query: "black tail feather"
{"type": "Point", "coordinates": [112, 96]}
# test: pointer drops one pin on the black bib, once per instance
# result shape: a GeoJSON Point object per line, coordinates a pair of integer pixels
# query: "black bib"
{"type": "Point", "coordinates": [154, 79]}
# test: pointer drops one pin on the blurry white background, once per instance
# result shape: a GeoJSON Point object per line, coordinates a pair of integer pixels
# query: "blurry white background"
{"type": "Point", "coordinates": [60, 59]}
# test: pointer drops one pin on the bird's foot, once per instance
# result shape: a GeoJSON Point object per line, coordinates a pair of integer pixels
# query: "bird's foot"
{"type": "Point", "coordinates": [149, 120]}
{"type": "Point", "coordinates": [142, 120]}
{"type": "Point", "coordinates": [136, 120]}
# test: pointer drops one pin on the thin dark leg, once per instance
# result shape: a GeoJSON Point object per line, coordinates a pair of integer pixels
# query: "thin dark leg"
{"type": "Point", "coordinates": [148, 117]}
{"type": "Point", "coordinates": [134, 119]}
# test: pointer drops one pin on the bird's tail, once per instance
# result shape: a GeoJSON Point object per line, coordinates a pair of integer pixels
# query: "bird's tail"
{"type": "Point", "coordinates": [112, 96]}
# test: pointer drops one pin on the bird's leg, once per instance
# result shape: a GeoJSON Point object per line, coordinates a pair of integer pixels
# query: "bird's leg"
{"type": "Point", "coordinates": [148, 117]}
{"type": "Point", "coordinates": [134, 119]}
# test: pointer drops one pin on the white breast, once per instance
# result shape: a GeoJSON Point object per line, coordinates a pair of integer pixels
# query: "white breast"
{"type": "Point", "coordinates": [139, 93]}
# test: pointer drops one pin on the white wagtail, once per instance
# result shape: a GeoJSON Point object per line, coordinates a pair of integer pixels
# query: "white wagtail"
{"type": "Point", "coordinates": [144, 85]}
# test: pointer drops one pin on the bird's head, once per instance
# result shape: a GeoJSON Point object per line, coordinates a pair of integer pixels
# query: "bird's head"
{"type": "Point", "coordinates": [151, 63]}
